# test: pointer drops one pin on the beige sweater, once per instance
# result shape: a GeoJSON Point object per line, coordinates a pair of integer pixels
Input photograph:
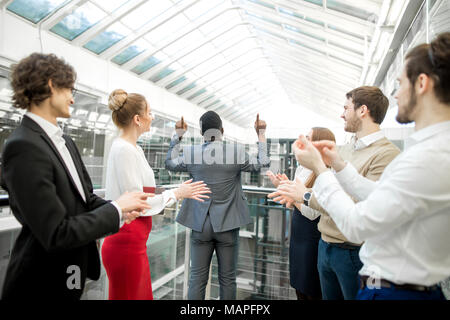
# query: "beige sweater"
{"type": "Point", "coordinates": [370, 163]}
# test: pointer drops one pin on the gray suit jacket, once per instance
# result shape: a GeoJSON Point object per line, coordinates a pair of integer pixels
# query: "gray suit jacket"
{"type": "Point", "coordinates": [219, 165]}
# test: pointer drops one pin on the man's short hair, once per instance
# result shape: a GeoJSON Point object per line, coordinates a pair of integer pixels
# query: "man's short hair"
{"type": "Point", "coordinates": [29, 78]}
{"type": "Point", "coordinates": [433, 60]}
{"type": "Point", "coordinates": [373, 98]}
{"type": "Point", "coordinates": [210, 120]}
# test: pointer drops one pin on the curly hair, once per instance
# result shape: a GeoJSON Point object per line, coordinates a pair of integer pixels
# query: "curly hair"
{"type": "Point", "coordinates": [29, 78]}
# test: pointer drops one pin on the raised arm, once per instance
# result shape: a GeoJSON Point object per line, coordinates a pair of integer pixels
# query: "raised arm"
{"type": "Point", "coordinates": [175, 161]}
{"type": "Point", "coordinates": [262, 160]}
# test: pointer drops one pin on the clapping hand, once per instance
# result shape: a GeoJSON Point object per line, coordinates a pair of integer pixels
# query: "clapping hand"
{"type": "Point", "coordinates": [308, 155]}
{"type": "Point", "coordinates": [130, 216]}
{"type": "Point", "coordinates": [181, 127]}
{"type": "Point", "coordinates": [132, 204]}
{"type": "Point", "coordinates": [330, 154]}
{"type": "Point", "coordinates": [288, 192]}
{"type": "Point", "coordinates": [194, 190]}
{"type": "Point", "coordinates": [275, 179]}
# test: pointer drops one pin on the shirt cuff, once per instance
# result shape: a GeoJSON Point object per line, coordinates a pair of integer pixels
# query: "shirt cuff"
{"type": "Point", "coordinates": [119, 210]}
{"type": "Point", "coordinates": [322, 181]}
{"type": "Point", "coordinates": [345, 175]}
{"type": "Point", "coordinates": [171, 198]}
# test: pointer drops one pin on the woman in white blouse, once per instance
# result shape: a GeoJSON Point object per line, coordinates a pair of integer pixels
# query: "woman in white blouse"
{"type": "Point", "coordinates": [124, 254]}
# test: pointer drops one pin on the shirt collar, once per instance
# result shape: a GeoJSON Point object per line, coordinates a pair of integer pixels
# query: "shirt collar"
{"type": "Point", "coordinates": [426, 133]}
{"type": "Point", "coordinates": [366, 141]}
{"type": "Point", "coordinates": [49, 128]}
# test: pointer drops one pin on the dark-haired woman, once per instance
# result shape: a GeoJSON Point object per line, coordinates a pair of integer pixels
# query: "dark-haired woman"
{"type": "Point", "coordinates": [124, 254]}
{"type": "Point", "coordinates": [304, 241]}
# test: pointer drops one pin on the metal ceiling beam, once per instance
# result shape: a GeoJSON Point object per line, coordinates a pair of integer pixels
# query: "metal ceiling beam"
{"type": "Point", "coordinates": [321, 58]}
{"type": "Point", "coordinates": [312, 52]}
{"type": "Point", "coordinates": [297, 23]}
{"type": "Point", "coordinates": [110, 19]}
{"type": "Point", "coordinates": [67, 9]}
{"type": "Point", "coordinates": [140, 58]}
{"type": "Point", "coordinates": [317, 100]}
{"type": "Point", "coordinates": [321, 47]}
{"type": "Point", "coordinates": [326, 63]}
{"type": "Point", "coordinates": [284, 67]}
{"type": "Point", "coordinates": [147, 28]}
{"type": "Point", "coordinates": [178, 86]}
{"type": "Point", "coordinates": [337, 18]}
{"type": "Point", "coordinates": [303, 67]}
{"type": "Point", "coordinates": [401, 30]}
{"type": "Point", "coordinates": [153, 71]}
{"type": "Point", "coordinates": [313, 86]}
{"type": "Point", "coordinates": [175, 75]}
{"type": "Point", "coordinates": [210, 84]}
{"type": "Point", "coordinates": [215, 91]}
{"type": "Point", "coordinates": [255, 90]}
{"type": "Point", "coordinates": [5, 3]}
{"type": "Point", "coordinates": [289, 82]}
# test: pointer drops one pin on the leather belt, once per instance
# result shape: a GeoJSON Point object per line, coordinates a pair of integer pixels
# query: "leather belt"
{"type": "Point", "coordinates": [344, 245]}
{"type": "Point", "coordinates": [387, 284]}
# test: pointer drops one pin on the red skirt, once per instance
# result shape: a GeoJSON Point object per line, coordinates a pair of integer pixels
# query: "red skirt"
{"type": "Point", "coordinates": [125, 259]}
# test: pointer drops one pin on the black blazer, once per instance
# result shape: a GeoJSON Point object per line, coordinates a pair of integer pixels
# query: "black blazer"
{"type": "Point", "coordinates": [59, 229]}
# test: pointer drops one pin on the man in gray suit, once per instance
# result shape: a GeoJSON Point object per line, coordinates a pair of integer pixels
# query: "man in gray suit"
{"type": "Point", "coordinates": [215, 222]}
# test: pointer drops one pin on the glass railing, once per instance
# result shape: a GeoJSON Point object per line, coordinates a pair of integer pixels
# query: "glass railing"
{"type": "Point", "coordinates": [263, 253]}
{"type": "Point", "coordinates": [263, 266]}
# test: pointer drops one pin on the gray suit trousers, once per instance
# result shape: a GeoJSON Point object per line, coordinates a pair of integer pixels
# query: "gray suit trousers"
{"type": "Point", "coordinates": [203, 245]}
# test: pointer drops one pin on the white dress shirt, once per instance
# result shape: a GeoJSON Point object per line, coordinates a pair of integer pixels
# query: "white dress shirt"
{"type": "Point", "coordinates": [366, 141]}
{"type": "Point", "coordinates": [55, 134]}
{"type": "Point", "coordinates": [358, 144]}
{"type": "Point", "coordinates": [128, 170]}
{"type": "Point", "coordinates": [405, 217]}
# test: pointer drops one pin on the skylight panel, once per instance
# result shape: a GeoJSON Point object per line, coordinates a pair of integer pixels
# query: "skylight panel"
{"type": "Point", "coordinates": [132, 51]}
{"type": "Point", "coordinates": [145, 65]}
{"type": "Point", "coordinates": [35, 11]}
{"type": "Point", "coordinates": [342, 7]}
{"type": "Point", "coordinates": [79, 21]}
{"type": "Point", "coordinates": [107, 38]}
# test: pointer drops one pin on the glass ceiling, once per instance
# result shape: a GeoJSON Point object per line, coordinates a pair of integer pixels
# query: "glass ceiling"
{"type": "Point", "coordinates": [237, 57]}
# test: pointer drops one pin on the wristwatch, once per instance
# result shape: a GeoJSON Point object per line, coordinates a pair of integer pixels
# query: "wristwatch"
{"type": "Point", "coordinates": [306, 198]}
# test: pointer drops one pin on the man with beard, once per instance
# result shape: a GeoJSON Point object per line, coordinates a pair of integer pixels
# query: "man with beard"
{"type": "Point", "coordinates": [403, 219]}
{"type": "Point", "coordinates": [369, 152]}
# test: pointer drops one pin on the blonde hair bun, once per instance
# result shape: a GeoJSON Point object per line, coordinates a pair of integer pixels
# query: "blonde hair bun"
{"type": "Point", "coordinates": [117, 99]}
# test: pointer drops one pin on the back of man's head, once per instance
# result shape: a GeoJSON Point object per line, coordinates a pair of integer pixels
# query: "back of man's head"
{"type": "Point", "coordinates": [210, 124]}
{"type": "Point", "coordinates": [433, 60]}
{"type": "Point", "coordinates": [373, 98]}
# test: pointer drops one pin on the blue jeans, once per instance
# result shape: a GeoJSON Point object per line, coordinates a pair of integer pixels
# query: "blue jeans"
{"type": "Point", "coordinates": [203, 244]}
{"type": "Point", "coordinates": [396, 294]}
{"type": "Point", "coordinates": [338, 271]}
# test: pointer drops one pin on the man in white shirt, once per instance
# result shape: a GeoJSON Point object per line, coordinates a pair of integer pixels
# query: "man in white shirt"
{"type": "Point", "coordinates": [50, 192]}
{"type": "Point", "coordinates": [404, 218]}
{"type": "Point", "coordinates": [338, 261]}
